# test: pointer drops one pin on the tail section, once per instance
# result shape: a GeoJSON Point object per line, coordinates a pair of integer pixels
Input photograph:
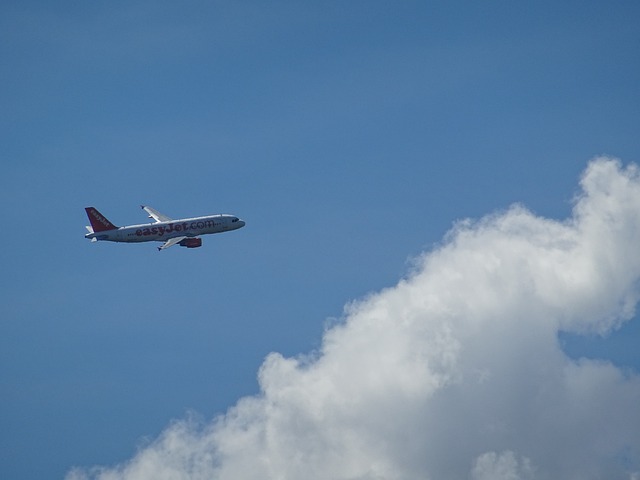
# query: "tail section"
{"type": "Point", "coordinates": [99, 222]}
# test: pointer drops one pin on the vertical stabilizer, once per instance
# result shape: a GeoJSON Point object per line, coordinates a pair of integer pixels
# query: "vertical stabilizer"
{"type": "Point", "coordinates": [98, 221]}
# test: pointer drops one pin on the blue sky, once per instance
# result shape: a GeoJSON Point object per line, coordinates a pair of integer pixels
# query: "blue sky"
{"type": "Point", "coordinates": [350, 136]}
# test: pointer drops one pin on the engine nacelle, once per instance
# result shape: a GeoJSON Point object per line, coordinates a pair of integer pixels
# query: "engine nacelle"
{"type": "Point", "coordinates": [191, 242]}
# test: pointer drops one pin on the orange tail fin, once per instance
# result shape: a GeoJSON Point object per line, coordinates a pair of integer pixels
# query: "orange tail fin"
{"type": "Point", "coordinates": [98, 221]}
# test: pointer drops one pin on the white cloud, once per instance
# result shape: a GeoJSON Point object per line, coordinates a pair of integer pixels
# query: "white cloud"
{"type": "Point", "coordinates": [491, 466]}
{"type": "Point", "coordinates": [454, 373]}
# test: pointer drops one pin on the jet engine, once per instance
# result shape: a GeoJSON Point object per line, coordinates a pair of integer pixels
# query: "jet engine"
{"type": "Point", "coordinates": [191, 242]}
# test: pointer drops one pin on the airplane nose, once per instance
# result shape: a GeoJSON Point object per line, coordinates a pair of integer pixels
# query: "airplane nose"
{"type": "Point", "coordinates": [241, 223]}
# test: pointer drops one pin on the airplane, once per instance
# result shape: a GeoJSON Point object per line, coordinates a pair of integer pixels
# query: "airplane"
{"type": "Point", "coordinates": [184, 232]}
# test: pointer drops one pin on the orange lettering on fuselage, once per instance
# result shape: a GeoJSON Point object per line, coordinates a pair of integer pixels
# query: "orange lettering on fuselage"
{"type": "Point", "coordinates": [174, 227]}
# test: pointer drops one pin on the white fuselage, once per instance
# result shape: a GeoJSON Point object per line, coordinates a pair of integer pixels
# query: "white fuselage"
{"type": "Point", "coordinates": [163, 231]}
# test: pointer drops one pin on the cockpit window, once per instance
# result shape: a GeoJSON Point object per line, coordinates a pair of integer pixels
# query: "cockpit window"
{"type": "Point", "coordinates": [234, 220]}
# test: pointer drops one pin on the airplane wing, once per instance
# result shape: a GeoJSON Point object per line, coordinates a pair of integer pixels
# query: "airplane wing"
{"type": "Point", "coordinates": [171, 242]}
{"type": "Point", "coordinates": [156, 215]}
